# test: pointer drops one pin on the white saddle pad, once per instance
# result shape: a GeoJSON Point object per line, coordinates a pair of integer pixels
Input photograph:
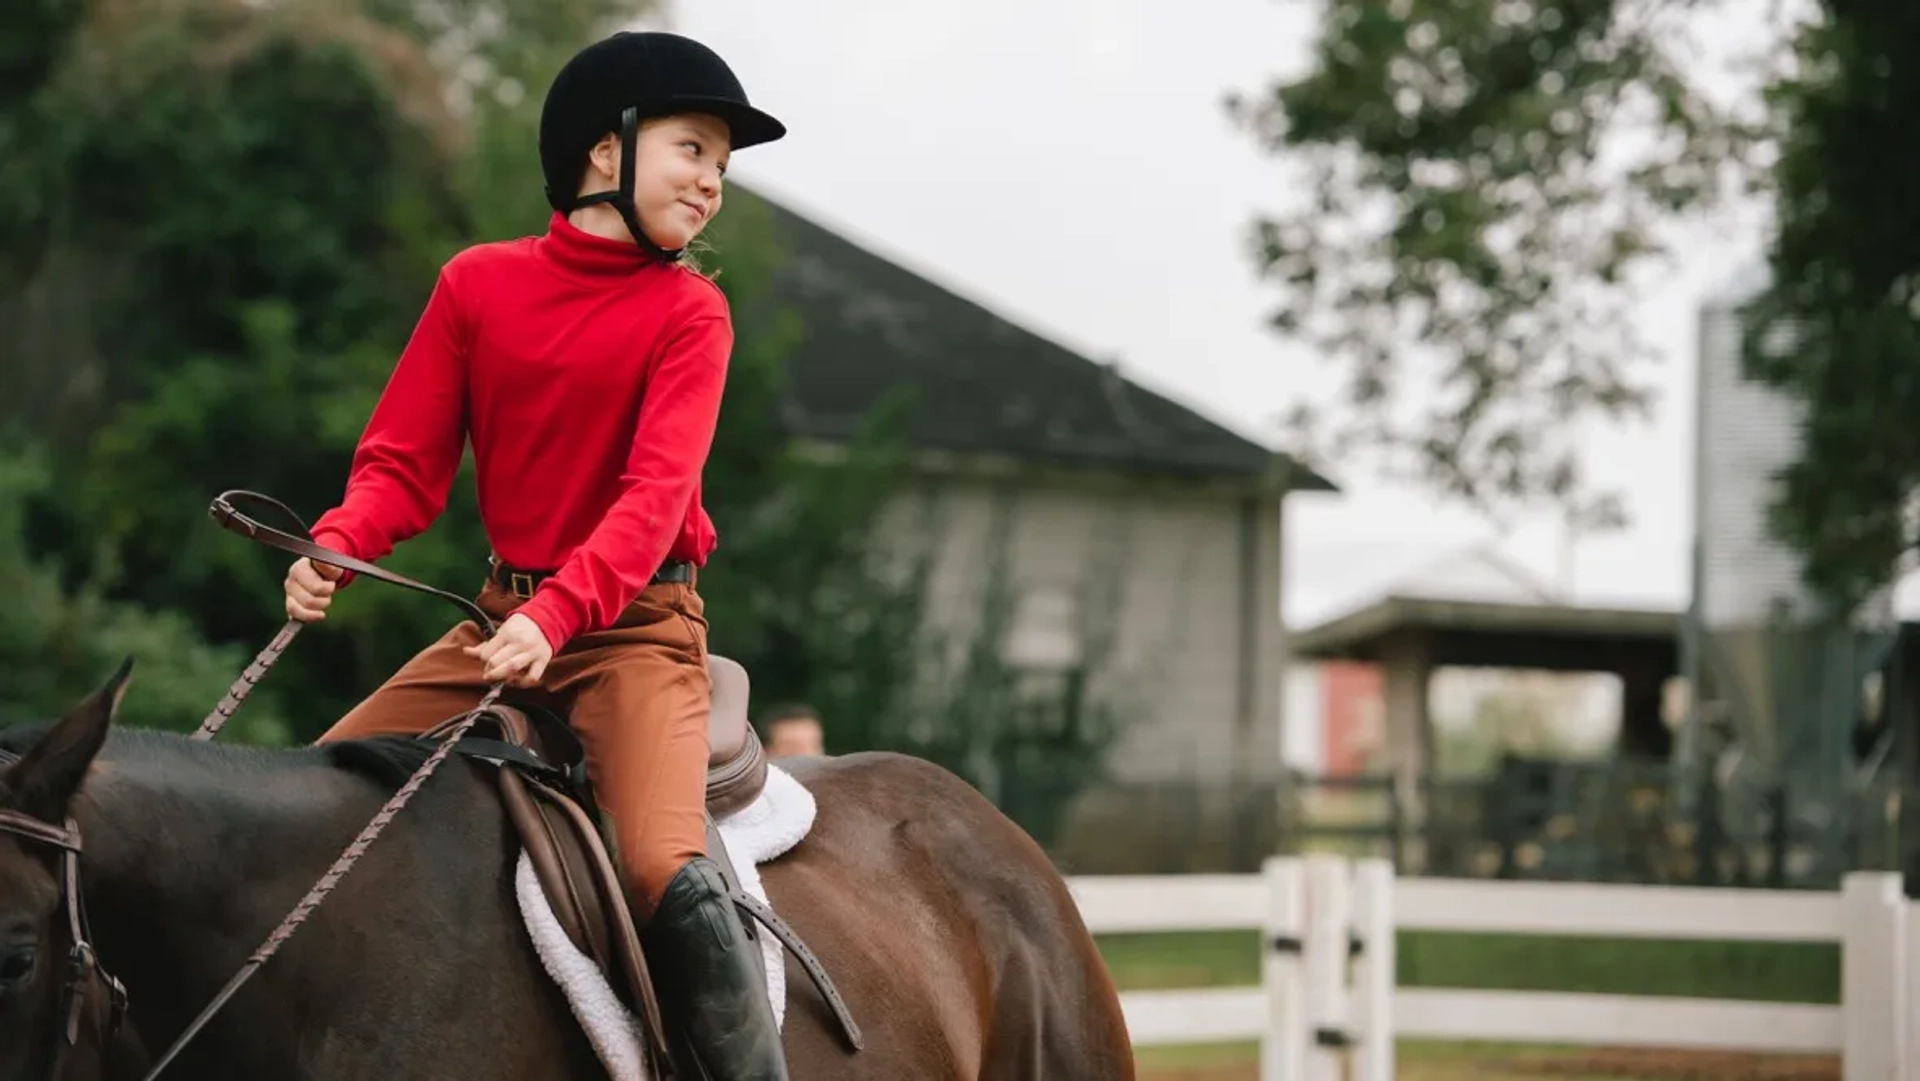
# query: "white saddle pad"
{"type": "Point", "coordinates": [762, 831]}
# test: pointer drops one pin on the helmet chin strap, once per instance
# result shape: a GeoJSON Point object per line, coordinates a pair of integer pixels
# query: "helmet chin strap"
{"type": "Point", "coordinates": [622, 199]}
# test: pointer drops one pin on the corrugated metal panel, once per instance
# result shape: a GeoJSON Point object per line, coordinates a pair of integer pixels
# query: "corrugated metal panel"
{"type": "Point", "coordinates": [1748, 433]}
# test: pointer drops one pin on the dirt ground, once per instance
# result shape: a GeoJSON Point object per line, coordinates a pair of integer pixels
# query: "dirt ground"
{"type": "Point", "coordinates": [1591, 1065]}
{"type": "Point", "coordinates": [1643, 1065]}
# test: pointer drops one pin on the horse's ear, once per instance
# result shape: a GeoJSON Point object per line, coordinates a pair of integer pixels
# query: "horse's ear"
{"type": "Point", "coordinates": [46, 778]}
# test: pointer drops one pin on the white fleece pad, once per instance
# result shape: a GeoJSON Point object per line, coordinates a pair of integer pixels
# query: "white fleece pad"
{"type": "Point", "coordinates": [762, 831]}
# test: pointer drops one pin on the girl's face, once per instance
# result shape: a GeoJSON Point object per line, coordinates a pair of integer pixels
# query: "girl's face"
{"type": "Point", "coordinates": [677, 176]}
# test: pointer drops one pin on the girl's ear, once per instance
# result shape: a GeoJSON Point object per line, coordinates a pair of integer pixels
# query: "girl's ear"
{"type": "Point", "coordinates": [604, 158]}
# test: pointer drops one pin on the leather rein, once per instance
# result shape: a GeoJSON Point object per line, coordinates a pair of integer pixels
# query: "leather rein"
{"type": "Point", "coordinates": [85, 977]}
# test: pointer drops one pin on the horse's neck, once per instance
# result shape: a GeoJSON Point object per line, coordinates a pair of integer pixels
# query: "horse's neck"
{"type": "Point", "coordinates": [186, 869]}
{"type": "Point", "coordinates": [169, 832]}
{"type": "Point", "coordinates": [189, 869]}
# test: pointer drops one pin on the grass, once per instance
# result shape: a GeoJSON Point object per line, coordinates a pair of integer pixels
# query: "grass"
{"type": "Point", "coordinates": [1421, 1061]}
{"type": "Point", "coordinates": [1197, 1056]}
{"type": "Point", "coordinates": [1758, 971]}
{"type": "Point", "coordinates": [1751, 971]}
{"type": "Point", "coordinates": [1768, 972]}
{"type": "Point", "coordinates": [1155, 962]}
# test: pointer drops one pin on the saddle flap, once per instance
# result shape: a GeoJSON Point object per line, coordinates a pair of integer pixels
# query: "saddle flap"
{"type": "Point", "coordinates": [582, 886]}
{"type": "Point", "coordinates": [559, 862]}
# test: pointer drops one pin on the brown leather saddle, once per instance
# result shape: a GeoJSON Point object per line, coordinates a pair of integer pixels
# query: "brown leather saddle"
{"type": "Point", "coordinates": [544, 788]}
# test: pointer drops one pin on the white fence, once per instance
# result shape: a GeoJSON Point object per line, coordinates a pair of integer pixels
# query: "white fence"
{"type": "Point", "coordinates": [1328, 991]}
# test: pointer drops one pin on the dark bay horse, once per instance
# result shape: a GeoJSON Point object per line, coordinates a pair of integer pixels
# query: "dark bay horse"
{"type": "Point", "coordinates": [948, 931]}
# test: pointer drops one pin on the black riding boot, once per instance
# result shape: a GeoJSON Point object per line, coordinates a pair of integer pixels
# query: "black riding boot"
{"type": "Point", "coordinates": [710, 984]}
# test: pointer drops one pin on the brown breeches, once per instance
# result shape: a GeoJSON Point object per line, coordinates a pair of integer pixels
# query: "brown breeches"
{"type": "Point", "coordinates": [637, 694]}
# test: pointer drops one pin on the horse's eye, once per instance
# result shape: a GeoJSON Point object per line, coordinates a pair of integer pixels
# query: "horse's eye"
{"type": "Point", "coordinates": [16, 965]}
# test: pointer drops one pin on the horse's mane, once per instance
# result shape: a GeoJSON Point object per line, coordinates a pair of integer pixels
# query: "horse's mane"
{"type": "Point", "coordinates": [164, 748]}
{"type": "Point", "coordinates": [386, 761]}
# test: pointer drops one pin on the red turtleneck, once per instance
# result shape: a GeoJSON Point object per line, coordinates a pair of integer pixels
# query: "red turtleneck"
{"type": "Point", "coordinates": [588, 377]}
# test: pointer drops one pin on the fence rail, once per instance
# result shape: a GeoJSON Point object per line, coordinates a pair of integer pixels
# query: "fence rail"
{"type": "Point", "coordinates": [1616, 1021]}
{"type": "Point", "coordinates": [1328, 990]}
{"type": "Point", "coordinates": [1616, 911]}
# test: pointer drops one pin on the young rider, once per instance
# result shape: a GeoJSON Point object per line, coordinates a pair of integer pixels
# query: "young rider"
{"type": "Point", "coordinates": [586, 366]}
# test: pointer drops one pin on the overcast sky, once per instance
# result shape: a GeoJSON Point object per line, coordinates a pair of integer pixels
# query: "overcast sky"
{"type": "Point", "coordinates": [1068, 164]}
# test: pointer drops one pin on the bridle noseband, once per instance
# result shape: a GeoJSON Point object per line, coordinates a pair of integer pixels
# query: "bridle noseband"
{"type": "Point", "coordinates": [84, 975]}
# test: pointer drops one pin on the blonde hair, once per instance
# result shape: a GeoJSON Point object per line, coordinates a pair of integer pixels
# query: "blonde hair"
{"type": "Point", "coordinates": [692, 258]}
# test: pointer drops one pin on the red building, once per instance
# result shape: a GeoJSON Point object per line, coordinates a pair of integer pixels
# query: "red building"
{"type": "Point", "coordinates": [1353, 714]}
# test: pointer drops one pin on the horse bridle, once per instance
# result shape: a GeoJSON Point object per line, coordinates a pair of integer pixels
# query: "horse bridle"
{"type": "Point", "coordinates": [84, 975]}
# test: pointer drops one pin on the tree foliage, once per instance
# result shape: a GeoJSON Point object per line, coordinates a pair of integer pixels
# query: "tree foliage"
{"type": "Point", "coordinates": [61, 636]}
{"type": "Point", "coordinates": [1479, 179]}
{"type": "Point", "coordinates": [1839, 325]}
{"type": "Point", "coordinates": [1486, 178]}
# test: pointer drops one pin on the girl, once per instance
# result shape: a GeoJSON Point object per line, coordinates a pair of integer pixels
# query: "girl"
{"type": "Point", "coordinates": [586, 367]}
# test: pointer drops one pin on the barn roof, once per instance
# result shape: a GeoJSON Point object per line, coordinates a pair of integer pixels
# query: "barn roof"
{"type": "Point", "coordinates": [978, 382]}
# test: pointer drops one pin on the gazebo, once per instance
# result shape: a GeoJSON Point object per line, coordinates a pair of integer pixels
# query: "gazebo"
{"type": "Point", "coordinates": [1480, 611]}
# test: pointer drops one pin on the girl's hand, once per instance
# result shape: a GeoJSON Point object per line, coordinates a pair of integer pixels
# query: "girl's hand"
{"type": "Point", "coordinates": [310, 589]}
{"type": "Point", "coordinates": [518, 651]}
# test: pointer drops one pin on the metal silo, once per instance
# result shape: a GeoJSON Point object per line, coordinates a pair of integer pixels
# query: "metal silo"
{"type": "Point", "coordinates": [1776, 682]}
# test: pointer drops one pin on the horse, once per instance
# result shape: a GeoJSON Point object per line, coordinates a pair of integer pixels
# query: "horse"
{"type": "Point", "coordinates": [946, 928]}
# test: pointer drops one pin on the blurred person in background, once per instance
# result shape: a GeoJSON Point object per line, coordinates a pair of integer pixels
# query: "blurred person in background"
{"type": "Point", "coordinates": [793, 730]}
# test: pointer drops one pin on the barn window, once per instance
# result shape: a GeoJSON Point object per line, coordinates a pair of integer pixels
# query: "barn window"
{"type": "Point", "coordinates": [1045, 633]}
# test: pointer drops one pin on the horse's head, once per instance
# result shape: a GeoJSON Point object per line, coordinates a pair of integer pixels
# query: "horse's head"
{"type": "Point", "coordinates": [49, 1010]}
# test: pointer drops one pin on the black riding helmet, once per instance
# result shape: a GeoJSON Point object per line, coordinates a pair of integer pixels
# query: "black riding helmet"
{"type": "Point", "coordinates": [614, 84]}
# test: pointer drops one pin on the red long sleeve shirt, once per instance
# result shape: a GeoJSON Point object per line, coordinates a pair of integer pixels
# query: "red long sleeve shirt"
{"type": "Point", "coordinates": [588, 378]}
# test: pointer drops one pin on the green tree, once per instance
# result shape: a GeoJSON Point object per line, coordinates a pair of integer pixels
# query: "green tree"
{"type": "Point", "coordinates": [198, 164]}
{"type": "Point", "coordinates": [243, 205]}
{"type": "Point", "coordinates": [59, 637]}
{"type": "Point", "coordinates": [1845, 294]}
{"type": "Point", "coordinates": [1488, 178]}
{"type": "Point", "coordinates": [1480, 179]}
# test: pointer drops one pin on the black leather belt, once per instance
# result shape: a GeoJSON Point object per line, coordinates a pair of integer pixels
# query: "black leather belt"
{"type": "Point", "coordinates": [522, 583]}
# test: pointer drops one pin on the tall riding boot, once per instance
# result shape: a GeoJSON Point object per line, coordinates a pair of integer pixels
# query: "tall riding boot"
{"type": "Point", "coordinates": [710, 983]}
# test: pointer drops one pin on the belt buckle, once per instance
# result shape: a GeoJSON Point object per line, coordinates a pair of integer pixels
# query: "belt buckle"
{"type": "Point", "coordinates": [515, 580]}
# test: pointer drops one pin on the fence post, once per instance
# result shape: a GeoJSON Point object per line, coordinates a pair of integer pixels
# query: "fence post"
{"type": "Point", "coordinates": [1373, 881]}
{"type": "Point", "coordinates": [1283, 1050]}
{"type": "Point", "coordinates": [1329, 940]}
{"type": "Point", "coordinates": [1909, 1015]}
{"type": "Point", "coordinates": [1872, 984]}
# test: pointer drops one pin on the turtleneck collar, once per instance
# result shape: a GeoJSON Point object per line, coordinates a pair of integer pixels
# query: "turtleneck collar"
{"type": "Point", "coordinates": [580, 252]}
